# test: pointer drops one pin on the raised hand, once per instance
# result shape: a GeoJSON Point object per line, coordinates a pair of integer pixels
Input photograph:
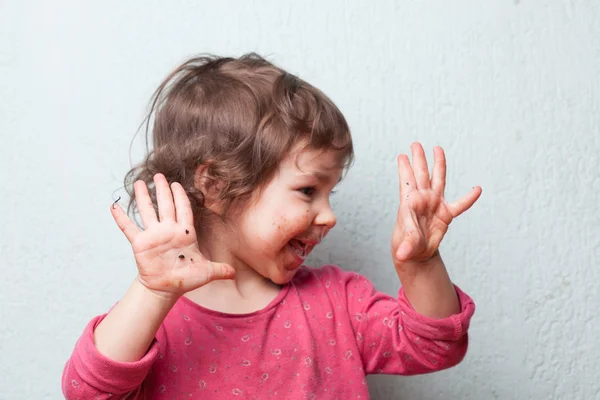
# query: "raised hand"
{"type": "Point", "coordinates": [166, 251]}
{"type": "Point", "coordinates": [424, 215]}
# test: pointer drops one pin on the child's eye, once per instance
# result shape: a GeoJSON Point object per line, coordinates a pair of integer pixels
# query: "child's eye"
{"type": "Point", "coordinates": [308, 191]}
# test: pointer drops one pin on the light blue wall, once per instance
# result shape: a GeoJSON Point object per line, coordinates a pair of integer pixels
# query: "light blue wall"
{"type": "Point", "coordinates": [511, 90]}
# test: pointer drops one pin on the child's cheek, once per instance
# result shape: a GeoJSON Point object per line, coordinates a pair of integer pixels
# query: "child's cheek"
{"type": "Point", "coordinates": [289, 227]}
{"type": "Point", "coordinates": [282, 229]}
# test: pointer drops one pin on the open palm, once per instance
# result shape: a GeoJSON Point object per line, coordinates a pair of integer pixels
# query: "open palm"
{"type": "Point", "coordinates": [166, 251]}
{"type": "Point", "coordinates": [424, 215]}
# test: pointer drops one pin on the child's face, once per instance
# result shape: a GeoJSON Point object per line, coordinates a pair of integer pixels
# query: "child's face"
{"type": "Point", "coordinates": [291, 215]}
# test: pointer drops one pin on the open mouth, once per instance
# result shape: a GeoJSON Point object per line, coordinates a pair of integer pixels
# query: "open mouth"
{"type": "Point", "coordinates": [299, 247]}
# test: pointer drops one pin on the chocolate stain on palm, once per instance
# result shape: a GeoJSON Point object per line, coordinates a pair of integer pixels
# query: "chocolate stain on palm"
{"type": "Point", "coordinates": [114, 205]}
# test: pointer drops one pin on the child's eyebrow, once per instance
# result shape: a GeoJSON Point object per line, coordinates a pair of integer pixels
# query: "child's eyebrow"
{"type": "Point", "coordinates": [321, 176]}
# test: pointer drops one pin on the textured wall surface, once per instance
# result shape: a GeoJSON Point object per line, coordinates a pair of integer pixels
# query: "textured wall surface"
{"type": "Point", "coordinates": [511, 90]}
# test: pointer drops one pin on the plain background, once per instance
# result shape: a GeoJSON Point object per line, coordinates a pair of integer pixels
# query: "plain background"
{"type": "Point", "coordinates": [510, 89]}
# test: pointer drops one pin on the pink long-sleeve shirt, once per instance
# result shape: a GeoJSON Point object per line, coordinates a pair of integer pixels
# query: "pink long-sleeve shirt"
{"type": "Point", "coordinates": [326, 330]}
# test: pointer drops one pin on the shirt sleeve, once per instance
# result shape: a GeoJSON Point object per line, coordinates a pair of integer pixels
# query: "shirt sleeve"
{"type": "Point", "coordinates": [393, 338]}
{"type": "Point", "coordinates": [88, 374]}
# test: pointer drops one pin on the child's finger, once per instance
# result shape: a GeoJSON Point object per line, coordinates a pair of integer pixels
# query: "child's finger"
{"type": "Point", "coordinates": [438, 178]}
{"type": "Point", "coordinates": [405, 251]}
{"type": "Point", "coordinates": [215, 271]}
{"type": "Point", "coordinates": [125, 224]}
{"type": "Point", "coordinates": [164, 198]}
{"type": "Point", "coordinates": [144, 204]}
{"type": "Point", "coordinates": [420, 168]}
{"type": "Point", "coordinates": [183, 208]}
{"type": "Point", "coordinates": [405, 175]}
{"type": "Point", "coordinates": [411, 239]}
{"type": "Point", "coordinates": [465, 202]}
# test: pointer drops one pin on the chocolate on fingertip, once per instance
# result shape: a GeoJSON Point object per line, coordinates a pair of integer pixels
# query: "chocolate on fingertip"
{"type": "Point", "coordinates": [114, 205]}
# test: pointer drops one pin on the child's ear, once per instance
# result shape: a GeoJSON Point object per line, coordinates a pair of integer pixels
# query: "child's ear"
{"type": "Point", "coordinates": [210, 188]}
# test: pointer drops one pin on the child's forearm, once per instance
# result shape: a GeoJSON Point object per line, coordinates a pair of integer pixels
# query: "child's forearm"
{"type": "Point", "coordinates": [126, 333]}
{"type": "Point", "coordinates": [428, 287]}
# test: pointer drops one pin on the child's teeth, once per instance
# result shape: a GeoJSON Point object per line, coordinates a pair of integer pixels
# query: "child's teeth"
{"type": "Point", "coordinates": [301, 251]}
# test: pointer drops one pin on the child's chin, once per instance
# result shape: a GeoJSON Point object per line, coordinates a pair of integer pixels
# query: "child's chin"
{"type": "Point", "coordinates": [284, 276]}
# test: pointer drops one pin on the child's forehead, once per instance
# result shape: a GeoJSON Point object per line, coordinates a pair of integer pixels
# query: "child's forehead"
{"type": "Point", "coordinates": [312, 161]}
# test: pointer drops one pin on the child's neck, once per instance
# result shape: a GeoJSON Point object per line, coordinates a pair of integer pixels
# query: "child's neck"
{"type": "Point", "coordinates": [247, 293]}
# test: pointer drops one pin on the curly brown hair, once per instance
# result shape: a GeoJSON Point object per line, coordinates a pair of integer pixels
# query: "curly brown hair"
{"type": "Point", "coordinates": [239, 117]}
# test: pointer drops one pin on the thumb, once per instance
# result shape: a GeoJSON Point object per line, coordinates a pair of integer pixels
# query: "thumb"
{"type": "Point", "coordinates": [411, 245]}
{"type": "Point", "coordinates": [405, 250]}
{"type": "Point", "coordinates": [215, 271]}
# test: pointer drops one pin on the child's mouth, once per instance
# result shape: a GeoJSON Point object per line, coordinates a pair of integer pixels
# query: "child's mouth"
{"type": "Point", "coordinates": [299, 247]}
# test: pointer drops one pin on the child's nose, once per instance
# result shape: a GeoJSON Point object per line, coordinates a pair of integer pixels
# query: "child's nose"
{"type": "Point", "coordinates": [326, 217]}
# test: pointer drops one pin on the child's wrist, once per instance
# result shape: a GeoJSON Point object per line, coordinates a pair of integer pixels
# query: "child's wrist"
{"type": "Point", "coordinates": [428, 287]}
{"type": "Point", "coordinates": [157, 297]}
{"type": "Point", "coordinates": [411, 268]}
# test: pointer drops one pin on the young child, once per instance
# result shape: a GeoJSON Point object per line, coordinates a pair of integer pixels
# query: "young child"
{"type": "Point", "coordinates": [232, 197]}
